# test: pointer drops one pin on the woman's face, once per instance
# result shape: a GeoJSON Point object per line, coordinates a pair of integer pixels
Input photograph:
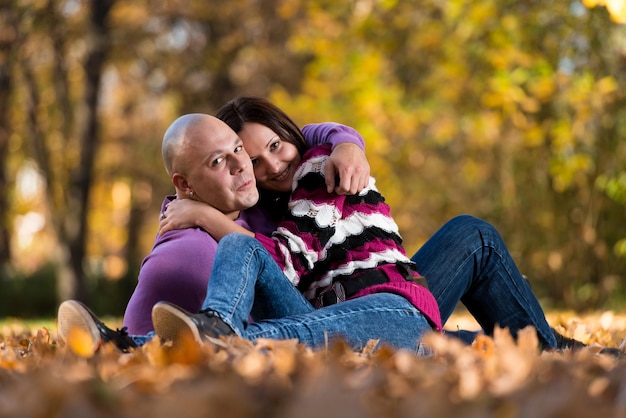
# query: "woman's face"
{"type": "Point", "coordinates": [274, 161]}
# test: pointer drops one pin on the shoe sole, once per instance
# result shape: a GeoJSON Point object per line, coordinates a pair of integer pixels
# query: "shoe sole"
{"type": "Point", "coordinates": [171, 323]}
{"type": "Point", "coordinates": [72, 314]}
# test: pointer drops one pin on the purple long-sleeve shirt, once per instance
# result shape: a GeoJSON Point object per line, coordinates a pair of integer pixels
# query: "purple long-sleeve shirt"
{"type": "Point", "coordinates": [177, 270]}
{"type": "Point", "coordinates": [179, 266]}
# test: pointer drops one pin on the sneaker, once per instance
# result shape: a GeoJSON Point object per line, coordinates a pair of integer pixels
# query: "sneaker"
{"type": "Point", "coordinates": [171, 322]}
{"type": "Point", "coordinates": [613, 352]}
{"type": "Point", "coordinates": [565, 343]}
{"type": "Point", "coordinates": [74, 314]}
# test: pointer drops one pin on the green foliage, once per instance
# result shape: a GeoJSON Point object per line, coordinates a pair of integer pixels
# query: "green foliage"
{"type": "Point", "coordinates": [32, 296]}
{"type": "Point", "coordinates": [35, 295]}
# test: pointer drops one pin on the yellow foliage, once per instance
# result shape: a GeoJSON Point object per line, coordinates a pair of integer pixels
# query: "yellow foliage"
{"type": "Point", "coordinates": [616, 8]}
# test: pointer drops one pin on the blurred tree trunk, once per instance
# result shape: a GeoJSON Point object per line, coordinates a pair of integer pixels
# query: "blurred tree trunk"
{"type": "Point", "coordinates": [82, 177]}
{"type": "Point", "coordinates": [8, 48]}
{"type": "Point", "coordinates": [68, 193]}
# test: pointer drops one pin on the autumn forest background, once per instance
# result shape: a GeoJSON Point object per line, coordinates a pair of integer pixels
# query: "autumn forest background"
{"type": "Point", "coordinates": [513, 111]}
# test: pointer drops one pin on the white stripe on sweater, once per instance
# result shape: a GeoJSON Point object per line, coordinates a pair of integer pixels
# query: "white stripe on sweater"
{"type": "Point", "coordinates": [390, 256]}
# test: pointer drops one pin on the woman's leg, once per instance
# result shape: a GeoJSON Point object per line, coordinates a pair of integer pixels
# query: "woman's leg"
{"type": "Point", "coordinates": [467, 260]}
{"type": "Point", "coordinates": [384, 316]}
{"type": "Point", "coordinates": [246, 281]}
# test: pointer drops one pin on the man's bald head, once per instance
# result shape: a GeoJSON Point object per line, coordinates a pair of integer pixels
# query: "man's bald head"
{"type": "Point", "coordinates": [177, 135]}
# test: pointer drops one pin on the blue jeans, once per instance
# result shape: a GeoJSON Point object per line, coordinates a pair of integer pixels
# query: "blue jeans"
{"type": "Point", "coordinates": [467, 260]}
{"type": "Point", "coordinates": [246, 282]}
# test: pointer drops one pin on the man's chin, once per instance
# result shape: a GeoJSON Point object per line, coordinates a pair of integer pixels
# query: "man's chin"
{"type": "Point", "coordinates": [249, 201]}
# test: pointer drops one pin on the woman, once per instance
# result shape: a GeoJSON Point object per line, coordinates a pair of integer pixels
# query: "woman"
{"type": "Point", "coordinates": [466, 260]}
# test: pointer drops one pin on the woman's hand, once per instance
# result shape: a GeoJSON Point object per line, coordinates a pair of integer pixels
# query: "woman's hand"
{"type": "Point", "coordinates": [186, 213]}
{"type": "Point", "coordinates": [348, 164]}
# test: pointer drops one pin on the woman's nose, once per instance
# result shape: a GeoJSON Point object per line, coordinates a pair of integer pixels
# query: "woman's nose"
{"type": "Point", "coordinates": [274, 166]}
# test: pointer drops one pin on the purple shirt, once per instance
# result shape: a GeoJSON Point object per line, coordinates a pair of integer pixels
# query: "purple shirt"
{"type": "Point", "coordinates": [177, 270]}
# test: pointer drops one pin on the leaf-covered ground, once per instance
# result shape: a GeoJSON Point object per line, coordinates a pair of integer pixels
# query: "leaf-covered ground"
{"type": "Point", "coordinates": [41, 377]}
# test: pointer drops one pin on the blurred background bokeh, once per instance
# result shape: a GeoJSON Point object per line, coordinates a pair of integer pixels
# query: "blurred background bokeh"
{"type": "Point", "coordinates": [513, 111]}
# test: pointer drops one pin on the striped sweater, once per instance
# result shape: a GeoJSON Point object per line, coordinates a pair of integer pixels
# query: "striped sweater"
{"type": "Point", "coordinates": [326, 237]}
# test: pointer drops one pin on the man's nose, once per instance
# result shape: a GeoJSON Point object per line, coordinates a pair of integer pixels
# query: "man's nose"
{"type": "Point", "coordinates": [241, 164]}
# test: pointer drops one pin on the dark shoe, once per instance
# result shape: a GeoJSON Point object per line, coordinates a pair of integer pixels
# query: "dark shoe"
{"type": "Point", "coordinates": [171, 322]}
{"type": "Point", "coordinates": [565, 343]}
{"type": "Point", "coordinates": [612, 351]}
{"type": "Point", "coordinates": [73, 314]}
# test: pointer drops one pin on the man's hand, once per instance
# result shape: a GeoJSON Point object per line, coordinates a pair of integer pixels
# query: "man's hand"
{"type": "Point", "coordinates": [348, 165]}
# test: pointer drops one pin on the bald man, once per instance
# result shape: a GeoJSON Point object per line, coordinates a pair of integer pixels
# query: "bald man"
{"type": "Point", "coordinates": [207, 162]}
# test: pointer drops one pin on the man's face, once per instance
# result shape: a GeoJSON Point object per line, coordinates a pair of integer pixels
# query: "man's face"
{"type": "Point", "coordinates": [219, 169]}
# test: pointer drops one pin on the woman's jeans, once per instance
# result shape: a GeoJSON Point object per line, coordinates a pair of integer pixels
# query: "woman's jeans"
{"type": "Point", "coordinates": [246, 282]}
{"type": "Point", "coordinates": [467, 260]}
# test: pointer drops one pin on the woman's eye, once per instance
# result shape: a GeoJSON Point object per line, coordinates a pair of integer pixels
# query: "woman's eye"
{"type": "Point", "coordinates": [275, 145]}
{"type": "Point", "coordinates": [218, 161]}
{"type": "Point", "coordinates": [239, 148]}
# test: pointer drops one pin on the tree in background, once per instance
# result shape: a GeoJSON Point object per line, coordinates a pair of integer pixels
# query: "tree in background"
{"type": "Point", "coordinates": [8, 49]}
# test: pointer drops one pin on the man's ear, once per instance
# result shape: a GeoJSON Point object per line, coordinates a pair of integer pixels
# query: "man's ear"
{"type": "Point", "coordinates": [180, 182]}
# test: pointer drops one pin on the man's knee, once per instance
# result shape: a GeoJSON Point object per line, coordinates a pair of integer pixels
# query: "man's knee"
{"type": "Point", "coordinates": [239, 240]}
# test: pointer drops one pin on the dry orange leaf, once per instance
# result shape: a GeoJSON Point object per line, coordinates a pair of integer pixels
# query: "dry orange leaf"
{"type": "Point", "coordinates": [80, 343]}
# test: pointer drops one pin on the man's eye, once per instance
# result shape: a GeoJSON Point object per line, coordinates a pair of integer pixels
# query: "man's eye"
{"type": "Point", "coordinates": [218, 161]}
{"type": "Point", "coordinates": [239, 148]}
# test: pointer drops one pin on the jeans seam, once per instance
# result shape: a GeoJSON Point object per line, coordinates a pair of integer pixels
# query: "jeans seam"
{"type": "Point", "coordinates": [250, 254]}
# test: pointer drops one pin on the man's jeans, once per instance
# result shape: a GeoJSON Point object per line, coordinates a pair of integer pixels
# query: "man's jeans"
{"type": "Point", "coordinates": [467, 260]}
{"type": "Point", "coordinates": [246, 281]}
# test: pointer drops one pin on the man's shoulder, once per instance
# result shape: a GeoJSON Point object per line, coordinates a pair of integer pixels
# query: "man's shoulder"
{"type": "Point", "coordinates": [180, 250]}
{"type": "Point", "coordinates": [189, 238]}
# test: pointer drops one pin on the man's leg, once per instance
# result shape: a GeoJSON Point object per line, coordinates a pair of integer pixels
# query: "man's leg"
{"type": "Point", "coordinates": [467, 260]}
{"type": "Point", "coordinates": [387, 317]}
{"type": "Point", "coordinates": [246, 281]}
